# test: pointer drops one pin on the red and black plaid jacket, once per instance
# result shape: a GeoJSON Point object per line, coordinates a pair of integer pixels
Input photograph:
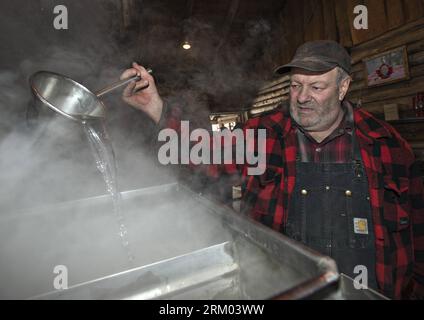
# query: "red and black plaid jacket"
{"type": "Point", "coordinates": [395, 188]}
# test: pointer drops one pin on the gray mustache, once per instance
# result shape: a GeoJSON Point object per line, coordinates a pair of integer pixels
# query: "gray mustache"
{"type": "Point", "coordinates": [306, 105]}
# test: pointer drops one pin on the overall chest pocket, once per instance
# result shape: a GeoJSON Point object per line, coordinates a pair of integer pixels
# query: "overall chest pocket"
{"type": "Point", "coordinates": [396, 204]}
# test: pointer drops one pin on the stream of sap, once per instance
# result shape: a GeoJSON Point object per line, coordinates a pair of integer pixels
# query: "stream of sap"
{"type": "Point", "coordinates": [106, 163]}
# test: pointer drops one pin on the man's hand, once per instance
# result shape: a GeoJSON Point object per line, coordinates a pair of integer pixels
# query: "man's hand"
{"type": "Point", "coordinates": [142, 95]}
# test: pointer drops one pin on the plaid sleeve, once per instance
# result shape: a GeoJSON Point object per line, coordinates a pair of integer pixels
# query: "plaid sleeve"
{"type": "Point", "coordinates": [171, 118]}
{"type": "Point", "coordinates": [417, 215]}
{"type": "Point", "coordinates": [415, 288]}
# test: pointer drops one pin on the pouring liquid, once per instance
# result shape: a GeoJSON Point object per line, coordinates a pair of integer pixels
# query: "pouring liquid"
{"type": "Point", "coordinates": [104, 155]}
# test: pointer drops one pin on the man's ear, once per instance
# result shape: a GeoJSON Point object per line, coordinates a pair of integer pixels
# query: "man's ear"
{"type": "Point", "coordinates": [344, 87]}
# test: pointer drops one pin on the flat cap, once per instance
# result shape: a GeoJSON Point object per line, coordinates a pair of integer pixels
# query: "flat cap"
{"type": "Point", "coordinates": [319, 56]}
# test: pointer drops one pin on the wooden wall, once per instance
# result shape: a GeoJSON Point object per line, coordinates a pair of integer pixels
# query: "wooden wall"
{"type": "Point", "coordinates": [304, 20]}
{"type": "Point", "coordinates": [392, 23]}
{"type": "Point", "coordinates": [401, 93]}
{"type": "Point", "coordinates": [373, 99]}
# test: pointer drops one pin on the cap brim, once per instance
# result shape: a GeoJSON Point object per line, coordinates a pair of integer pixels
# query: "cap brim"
{"type": "Point", "coordinates": [314, 66]}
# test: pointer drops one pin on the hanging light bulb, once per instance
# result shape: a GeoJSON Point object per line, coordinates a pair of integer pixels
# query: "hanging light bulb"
{"type": "Point", "coordinates": [186, 45]}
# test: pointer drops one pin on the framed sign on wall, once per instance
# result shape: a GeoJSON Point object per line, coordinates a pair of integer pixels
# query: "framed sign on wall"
{"type": "Point", "coordinates": [387, 67]}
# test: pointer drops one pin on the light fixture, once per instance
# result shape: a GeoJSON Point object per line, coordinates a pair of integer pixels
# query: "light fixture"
{"type": "Point", "coordinates": [186, 45]}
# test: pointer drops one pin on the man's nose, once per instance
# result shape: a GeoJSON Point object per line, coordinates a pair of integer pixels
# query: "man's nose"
{"type": "Point", "coordinates": [303, 96]}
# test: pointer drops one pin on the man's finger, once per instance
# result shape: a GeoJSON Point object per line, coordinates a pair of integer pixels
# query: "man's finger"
{"type": "Point", "coordinates": [129, 73]}
{"type": "Point", "coordinates": [141, 84]}
{"type": "Point", "coordinates": [128, 91]}
{"type": "Point", "coordinates": [143, 72]}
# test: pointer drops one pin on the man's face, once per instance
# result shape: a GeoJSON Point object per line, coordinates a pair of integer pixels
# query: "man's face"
{"type": "Point", "coordinates": [314, 99]}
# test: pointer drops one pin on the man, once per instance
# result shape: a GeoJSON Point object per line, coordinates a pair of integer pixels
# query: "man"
{"type": "Point", "coordinates": [337, 179]}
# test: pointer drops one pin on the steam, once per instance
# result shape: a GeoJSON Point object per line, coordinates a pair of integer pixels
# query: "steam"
{"type": "Point", "coordinates": [222, 71]}
{"type": "Point", "coordinates": [47, 159]}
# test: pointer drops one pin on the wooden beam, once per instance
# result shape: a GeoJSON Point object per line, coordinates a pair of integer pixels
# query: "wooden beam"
{"type": "Point", "coordinates": [272, 84]}
{"type": "Point", "coordinates": [286, 40]}
{"type": "Point", "coordinates": [413, 9]}
{"type": "Point", "coordinates": [395, 15]}
{"type": "Point", "coordinates": [317, 22]}
{"type": "Point", "coordinates": [415, 47]}
{"type": "Point", "coordinates": [271, 95]}
{"type": "Point", "coordinates": [313, 22]}
{"type": "Point", "coordinates": [343, 26]}
{"type": "Point", "coordinates": [416, 58]}
{"type": "Point", "coordinates": [405, 103]}
{"type": "Point", "coordinates": [297, 25]}
{"type": "Point", "coordinates": [329, 16]}
{"type": "Point", "coordinates": [292, 28]}
{"type": "Point", "coordinates": [377, 19]}
{"type": "Point", "coordinates": [278, 87]}
{"type": "Point", "coordinates": [390, 91]}
{"type": "Point", "coordinates": [308, 14]}
{"type": "Point", "coordinates": [270, 101]}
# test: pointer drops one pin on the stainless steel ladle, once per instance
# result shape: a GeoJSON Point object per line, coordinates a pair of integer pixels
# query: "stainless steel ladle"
{"type": "Point", "coordinates": [70, 98]}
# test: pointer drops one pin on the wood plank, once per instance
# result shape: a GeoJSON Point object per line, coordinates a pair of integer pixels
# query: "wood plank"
{"type": "Point", "coordinates": [417, 71]}
{"type": "Point", "coordinates": [330, 23]}
{"type": "Point", "coordinates": [394, 12]}
{"type": "Point", "coordinates": [402, 31]}
{"type": "Point", "coordinates": [280, 80]}
{"type": "Point", "coordinates": [357, 67]}
{"type": "Point", "coordinates": [292, 28]}
{"type": "Point", "coordinates": [308, 14]}
{"type": "Point", "coordinates": [405, 104]}
{"type": "Point", "coordinates": [269, 102]}
{"type": "Point", "coordinates": [391, 91]}
{"type": "Point", "coordinates": [357, 76]}
{"type": "Point", "coordinates": [317, 23]}
{"type": "Point", "coordinates": [406, 34]}
{"type": "Point", "coordinates": [285, 41]}
{"type": "Point", "coordinates": [271, 95]}
{"type": "Point", "coordinates": [257, 111]}
{"type": "Point", "coordinates": [377, 19]}
{"type": "Point", "coordinates": [279, 87]}
{"type": "Point", "coordinates": [416, 46]}
{"type": "Point", "coordinates": [416, 58]}
{"type": "Point", "coordinates": [357, 85]}
{"type": "Point", "coordinates": [387, 45]}
{"type": "Point", "coordinates": [297, 26]}
{"type": "Point", "coordinates": [413, 9]}
{"type": "Point", "coordinates": [342, 18]}
{"type": "Point", "coordinates": [279, 43]}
